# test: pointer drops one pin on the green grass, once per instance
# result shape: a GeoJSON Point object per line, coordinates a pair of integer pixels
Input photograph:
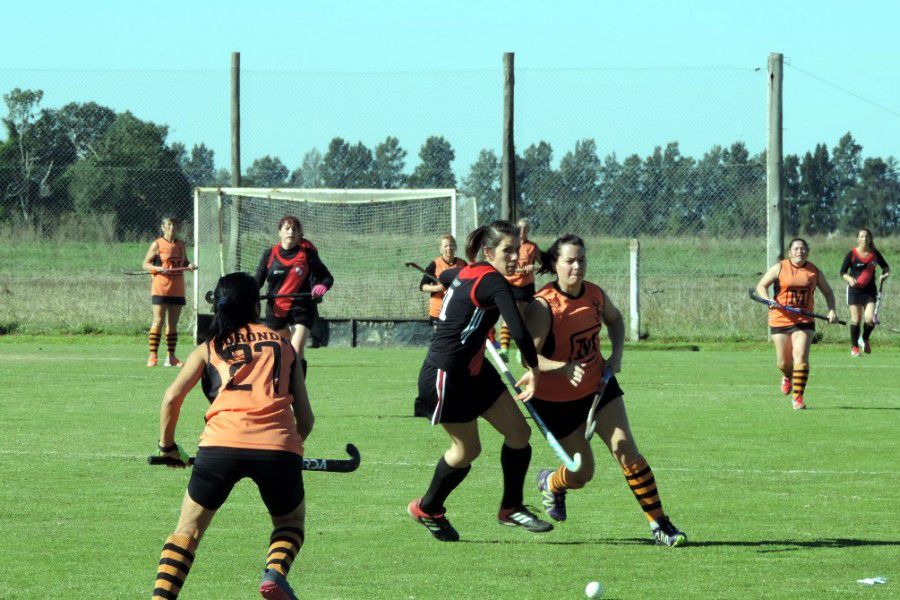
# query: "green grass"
{"type": "Point", "coordinates": [777, 503]}
{"type": "Point", "coordinates": [692, 288]}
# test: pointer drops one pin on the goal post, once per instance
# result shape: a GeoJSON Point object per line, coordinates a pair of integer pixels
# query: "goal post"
{"type": "Point", "coordinates": [364, 237]}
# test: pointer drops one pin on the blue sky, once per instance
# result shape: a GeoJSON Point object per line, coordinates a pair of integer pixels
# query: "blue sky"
{"type": "Point", "coordinates": [630, 77]}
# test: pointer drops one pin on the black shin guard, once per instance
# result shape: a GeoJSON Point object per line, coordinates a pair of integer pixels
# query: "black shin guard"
{"type": "Point", "coordinates": [867, 331]}
{"type": "Point", "coordinates": [515, 467]}
{"type": "Point", "coordinates": [444, 481]}
{"type": "Point", "coordinates": [854, 334]}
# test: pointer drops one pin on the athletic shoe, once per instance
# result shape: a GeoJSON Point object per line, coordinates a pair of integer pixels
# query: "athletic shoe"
{"type": "Point", "coordinates": [152, 360]}
{"type": "Point", "coordinates": [854, 351]}
{"type": "Point", "coordinates": [866, 347]}
{"type": "Point", "coordinates": [275, 587]}
{"type": "Point", "coordinates": [554, 502]}
{"type": "Point", "coordinates": [798, 403]}
{"type": "Point", "coordinates": [667, 534]}
{"type": "Point", "coordinates": [786, 385]}
{"type": "Point", "coordinates": [438, 525]}
{"type": "Point", "coordinates": [171, 361]}
{"type": "Point", "coordinates": [522, 517]}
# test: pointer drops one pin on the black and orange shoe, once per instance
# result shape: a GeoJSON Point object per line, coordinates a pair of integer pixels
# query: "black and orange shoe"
{"type": "Point", "coordinates": [437, 525]}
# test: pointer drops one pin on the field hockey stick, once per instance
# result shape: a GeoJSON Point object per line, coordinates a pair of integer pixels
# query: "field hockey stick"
{"type": "Point", "coordinates": [167, 271]}
{"type": "Point", "coordinates": [210, 295]}
{"type": "Point", "coordinates": [413, 265]}
{"type": "Point", "coordinates": [331, 465]}
{"type": "Point", "coordinates": [572, 463]}
{"type": "Point", "coordinates": [591, 422]}
{"type": "Point", "coordinates": [791, 309]}
{"type": "Point", "coordinates": [875, 319]}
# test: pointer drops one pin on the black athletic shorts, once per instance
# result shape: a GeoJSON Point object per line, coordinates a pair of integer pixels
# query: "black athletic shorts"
{"type": "Point", "coordinates": [456, 397]}
{"type": "Point", "coordinates": [563, 418]}
{"type": "Point", "coordinates": [793, 328]}
{"type": "Point", "coordinates": [303, 315]}
{"type": "Point", "coordinates": [277, 474]}
{"type": "Point", "coordinates": [861, 296]}
{"type": "Point", "coordinates": [173, 300]}
{"type": "Point", "coordinates": [524, 293]}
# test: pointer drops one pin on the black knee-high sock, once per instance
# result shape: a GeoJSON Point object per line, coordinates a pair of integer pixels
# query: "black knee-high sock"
{"type": "Point", "coordinates": [854, 334]}
{"type": "Point", "coordinates": [867, 331]}
{"type": "Point", "coordinates": [515, 466]}
{"type": "Point", "coordinates": [444, 481]}
{"type": "Point", "coordinates": [303, 364]}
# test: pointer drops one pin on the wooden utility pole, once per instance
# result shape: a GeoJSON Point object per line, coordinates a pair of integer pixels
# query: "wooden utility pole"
{"type": "Point", "coordinates": [508, 162]}
{"type": "Point", "coordinates": [774, 165]}
{"type": "Point", "coordinates": [234, 238]}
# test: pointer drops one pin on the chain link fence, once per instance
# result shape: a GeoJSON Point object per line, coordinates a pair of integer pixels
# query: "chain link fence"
{"type": "Point", "coordinates": [673, 157]}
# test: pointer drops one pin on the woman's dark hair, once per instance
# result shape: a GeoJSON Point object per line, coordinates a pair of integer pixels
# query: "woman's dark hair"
{"type": "Point", "coordinates": [488, 236]}
{"type": "Point", "coordinates": [798, 239]}
{"type": "Point", "coordinates": [289, 219]}
{"type": "Point", "coordinates": [871, 237]}
{"type": "Point", "coordinates": [549, 258]}
{"type": "Point", "coordinates": [235, 305]}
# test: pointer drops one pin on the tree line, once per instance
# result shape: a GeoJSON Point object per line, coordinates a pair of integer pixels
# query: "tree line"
{"type": "Point", "coordinates": [87, 159]}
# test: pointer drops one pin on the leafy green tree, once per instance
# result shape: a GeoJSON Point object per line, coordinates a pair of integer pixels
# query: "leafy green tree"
{"type": "Point", "coordinates": [847, 160]}
{"type": "Point", "coordinates": [266, 172]}
{"type": "Point", "coordinates": [133, 174]}
{"type": "Point", "coordinates": [791, 200]}
{"type": "Point", "coordinates": [817, 198]}
{"type": "Point", "coordinates": [580, 177]}
{"type": "Point", "coordinates": [539, 186]}
{"type": "Point", "coordinates": [390, 159]}
{"type": "Point", "coordinates": [200, 167]}
{"type": "Point", "coordinates": [309, 173]}
{"type": "Point", "coordinates": [25, 173]}
{"type": "Point", "coordinates": [346, 166]}
{"type": "Point", "coordinates": [84, 124]}
{"type": "Point", "coordinates": [483, 182]}
{"type": "Point", "coordinates": [875, 201]}
{"type": "Point", "coordinates": [434, 170]}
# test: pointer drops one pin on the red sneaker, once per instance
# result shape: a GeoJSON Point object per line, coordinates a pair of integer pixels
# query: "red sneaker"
{"type": "Point", "coordinates": [786, 385]}
{"type": "Point", "coordinates": [854, 351]}
{"type": "Point", "coordinates": [798, 403]}
{"type": "Point", "coordinates": [152, 360]}
{"type": "Point", "coordinates": [866, 347]}
{"type": "Point", "coordinates": [437, 525]}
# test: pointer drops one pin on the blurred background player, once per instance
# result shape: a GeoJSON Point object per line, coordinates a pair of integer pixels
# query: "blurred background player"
{"type": "Point", "coordinates": [456, 384]}
{"type": "Point", "coordinates": [522, 281]}
{"type": "Point", "coordinates": [795, 281]}
{"type": "Point", "coordinates": [565, 320]}
{"type": "Point", "coordinates": [258, 419]}
{"type": "Point", "coordinates": [858, 270]}
{"type": "Point", "coordinates": [447, 260]}
{"type": "Point", "coordinates": [293, 266]}
{"type": "Point", "coordinates": [166, 289]}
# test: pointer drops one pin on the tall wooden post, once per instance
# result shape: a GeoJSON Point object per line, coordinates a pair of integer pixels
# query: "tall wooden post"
{"type": "Point", "coordinates": [508, 162]}
{"type": "Point", "coordinates": [634, 296]}
{"type": "Point", "coordinates": [774, 165]}
{"type": "Point", "coordinates": [234, 238]}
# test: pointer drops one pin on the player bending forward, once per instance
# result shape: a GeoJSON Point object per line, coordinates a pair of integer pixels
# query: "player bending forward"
{"type": "Point", "coordinates": [565, 319]}
{"type": "Point", "coordinates": [258, 418]}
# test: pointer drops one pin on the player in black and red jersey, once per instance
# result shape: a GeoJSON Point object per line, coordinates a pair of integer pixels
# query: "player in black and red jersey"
{"type": "Point", "coordinates": [858, 270]}
{"type": "Point", "coordinates": [290, 267]}
{"type": "Point", "coordinates": [456, 384]}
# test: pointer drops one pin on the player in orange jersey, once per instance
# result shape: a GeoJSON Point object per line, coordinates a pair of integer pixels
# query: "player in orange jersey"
{"type": "Point", "coordinates": [521, 281]}
{"type": "Point", "coordinates": [795, 281]}
{"type": "Point", "coordinates": [858, 270]}
{"type": "Point", "coordinates": [565, 320]}
{"type": "Point", "coordinates": [447, 260]}
{"type": "Point", "coordinates": [166, 260]}
{"type": "Point", "coordinates": [258, 418]}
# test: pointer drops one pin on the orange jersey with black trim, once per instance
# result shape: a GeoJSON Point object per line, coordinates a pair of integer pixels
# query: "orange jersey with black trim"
{"type": "Point", "coordinates": [574, 337]}
{"type": "Point", "coordinates": [250, 393]}
{"type": "Point", "coordinates": [170, 255]}
{"type": "Point", "coordinates": [795, 286]}
{"type": "Point", "coordinates": [528, 253]}
{"type": "Point", "coordinates": [437, 298]}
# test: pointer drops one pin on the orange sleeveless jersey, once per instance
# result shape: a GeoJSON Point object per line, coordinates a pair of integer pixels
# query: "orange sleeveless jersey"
{"type": "Point", "coordinates": [796, 286]}
{"type": "Point", "coordinates": [437, 298]}
{"type": "Point", "coordinates": [527, 255]}
{"type": "Point", "coordinates": [575, 331]}
{"type": "Point", "coordinates": [171, 255]}
{"type": "Point", "coordinates": [250, 393]}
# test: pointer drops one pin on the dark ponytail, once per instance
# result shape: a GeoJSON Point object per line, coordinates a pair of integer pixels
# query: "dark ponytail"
{"type": "Point", "coordinates": [488, 236]}
{"type": "Point", "coordinates": [549, 258]}
{"type": "Point", "coordinates": [236, 305]}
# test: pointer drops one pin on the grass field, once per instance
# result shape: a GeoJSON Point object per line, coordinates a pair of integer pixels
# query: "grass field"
{"type": "Point", "coordinates": [777, 503]}
{"type": "Point", "coordinates": [58, 286]}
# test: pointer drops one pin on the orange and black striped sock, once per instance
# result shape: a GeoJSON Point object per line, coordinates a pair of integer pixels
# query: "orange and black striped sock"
{"type": "Point", "coordinates": [801, 376]}
{"type": "Point", "coordinates": [154, 340]}
{"type": "Point", "coordinates": [171, 341]}
{"type": "Point", "coordinates": [284, 545]}
{"type": "Point", "coordinates": [562, 480]}
{"type": "Point", "coordinates": [174, 564]}
{"type": "Point", "coordinates": [643, 485]}
{"type": "Point", "coordinates": [504, 337]}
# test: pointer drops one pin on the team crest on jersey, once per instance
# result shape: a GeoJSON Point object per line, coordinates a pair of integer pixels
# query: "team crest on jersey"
{"type": "Point", "coordinates": [584, 344]}
{"type": "Point", "coordinates": [299, 271]}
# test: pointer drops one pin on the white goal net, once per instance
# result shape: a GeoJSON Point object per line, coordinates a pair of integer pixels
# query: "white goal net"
{"type": "Point", "coordinates": [364, 237]}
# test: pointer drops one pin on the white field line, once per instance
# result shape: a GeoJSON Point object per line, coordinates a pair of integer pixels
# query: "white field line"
{"type": "Point", "coordinates": [139, 457]}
